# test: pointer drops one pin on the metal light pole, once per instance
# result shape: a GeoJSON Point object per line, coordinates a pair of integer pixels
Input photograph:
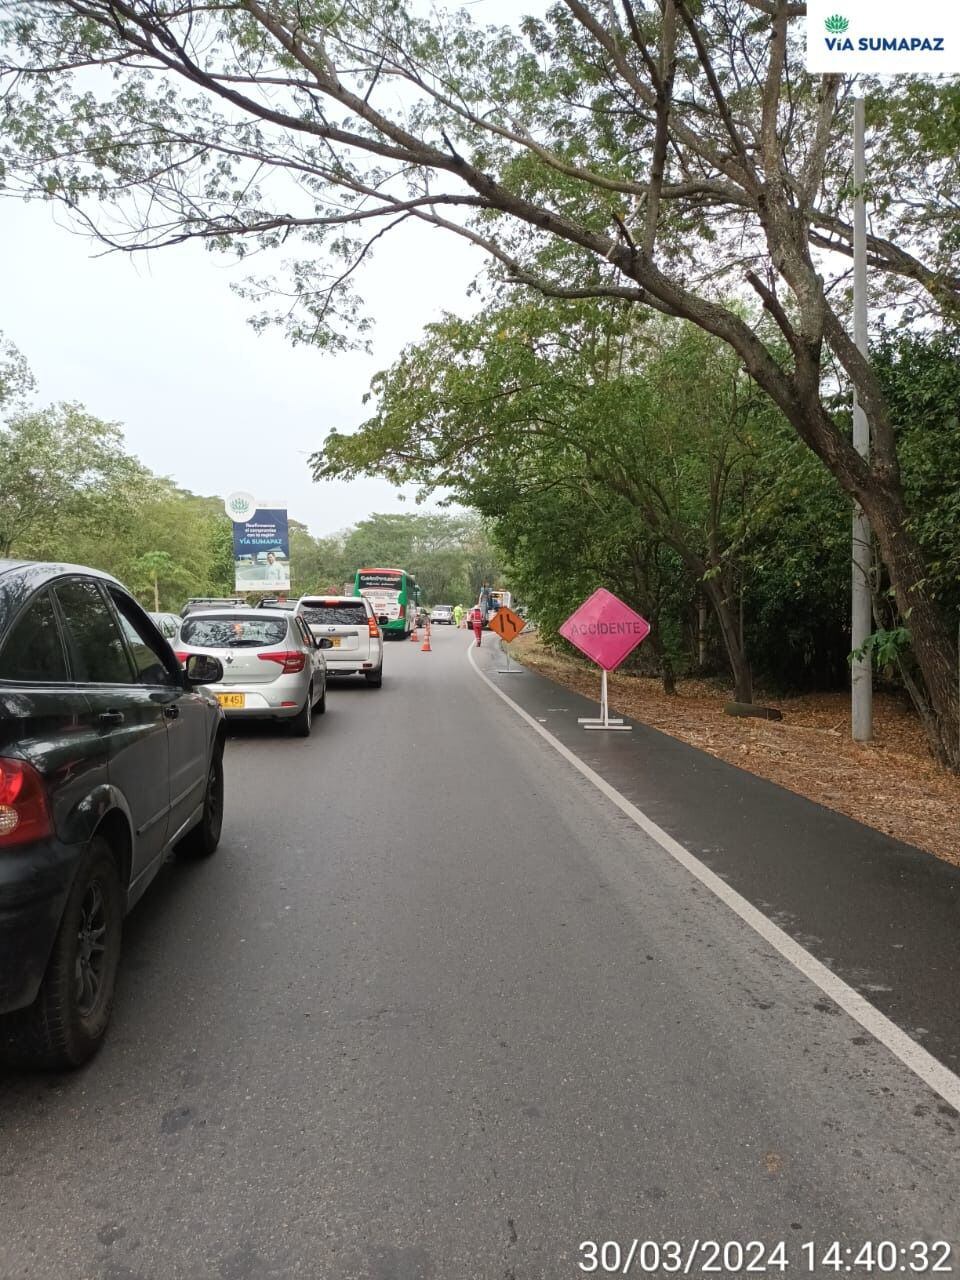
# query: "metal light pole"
{"type": "Point", "coordinates": [861, 613]}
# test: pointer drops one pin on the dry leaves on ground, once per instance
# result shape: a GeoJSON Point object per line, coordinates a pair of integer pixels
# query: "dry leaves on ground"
{"type": "Point", "coordinates": [891, 784]}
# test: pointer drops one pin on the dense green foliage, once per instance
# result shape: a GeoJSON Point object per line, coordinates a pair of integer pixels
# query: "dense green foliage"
{"type": "Point", "coordinates": [450, 555]}
{"type": "Point", "coordinates": [634, 456]}
{"type": "Point", "coordinates": [70, 491]}
{"type": "Point", "coordinates": [921, 374]}
{"type": "Point", "coordinates": [640, 458]}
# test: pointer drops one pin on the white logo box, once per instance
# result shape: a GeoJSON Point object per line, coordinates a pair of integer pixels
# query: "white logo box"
{"type": "Point", "coordinates": [884, 37]}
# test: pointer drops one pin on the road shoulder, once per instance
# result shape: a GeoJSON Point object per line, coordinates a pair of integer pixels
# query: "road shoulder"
{"type": "Point", "coordinates": [879, 914]}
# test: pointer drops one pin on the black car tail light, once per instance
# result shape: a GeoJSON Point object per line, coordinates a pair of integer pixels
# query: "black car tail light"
{"type": "Point", "coordinates": [24, 811]}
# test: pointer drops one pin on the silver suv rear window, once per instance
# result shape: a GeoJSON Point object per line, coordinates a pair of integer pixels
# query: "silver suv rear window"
{"type": "Point", "coordinates": [242, 631]}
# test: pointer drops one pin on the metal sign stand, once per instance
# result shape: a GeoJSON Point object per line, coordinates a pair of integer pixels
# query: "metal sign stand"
{"type": "Point", "coordinates": [604, 722]}
{"type": "Point", "coordinates": [508, 670]}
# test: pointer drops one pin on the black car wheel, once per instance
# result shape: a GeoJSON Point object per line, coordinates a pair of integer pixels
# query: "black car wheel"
{"type": "Point", "coordinates": [302, 722]}
{"type": "Point", "coordinates": [374, 678]}
{"type": "Point", "coordinates": [67, 1022]}
{"type": "Point", "coordinates": [203, 839]}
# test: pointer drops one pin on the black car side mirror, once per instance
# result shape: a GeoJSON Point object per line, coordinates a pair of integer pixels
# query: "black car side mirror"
{"type": "Point", "coordinates": [202, 668]}
{"type": "Point", "coordinates": [323, 643]}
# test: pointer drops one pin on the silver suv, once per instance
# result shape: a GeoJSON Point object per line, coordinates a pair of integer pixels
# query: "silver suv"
{"type": "Point", "coordinates": [352, 628]}
{"type": "Point", "coordinates": [273, 668]}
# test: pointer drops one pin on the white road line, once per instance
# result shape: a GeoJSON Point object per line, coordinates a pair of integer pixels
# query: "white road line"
{"type": "Point", "coordinates": [923, 1064]}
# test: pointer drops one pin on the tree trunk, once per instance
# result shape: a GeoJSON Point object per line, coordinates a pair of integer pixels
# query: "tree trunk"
{"type": "Point", "coordinates": [156, 595]}
{"type": "Point", "coordinates": [702, 634]}
{"type": "Point", "coordinates": [732, 641]}
{"type": "Point", "coordinates": [667, 676]}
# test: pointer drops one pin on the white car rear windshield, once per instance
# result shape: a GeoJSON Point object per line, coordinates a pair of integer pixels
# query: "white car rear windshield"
{"type": "Point", "coordinates": [238, 632]}
{"type": "Point", "coordinates": [323, 613]}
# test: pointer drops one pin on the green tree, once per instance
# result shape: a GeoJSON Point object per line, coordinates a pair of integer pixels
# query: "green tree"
{"type": "Point", "coordinates": [316, 564]}
{"type": "Point", "coordinates": [61, 469]}
{"type": "Point", "coordinates": [156, 567]}
{"type": "Point", "coordinates": [16, 380]}
{"type": "Point", "coordinates": [382, 540]}
{"type": "Point", "coordinates": [188, 535]}
{"type": "Point", "coordinates": [921, 376]}
{"type": "Point", "coordinates": [526, 400]}
{"type": "Point", "coordinates": [450, 555]}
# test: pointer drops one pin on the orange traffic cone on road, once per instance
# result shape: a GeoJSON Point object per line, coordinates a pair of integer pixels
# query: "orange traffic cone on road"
{"type": "Point", "coordinates": [413, 635]}
{"type": "Point", "coordinates": [425, 647]}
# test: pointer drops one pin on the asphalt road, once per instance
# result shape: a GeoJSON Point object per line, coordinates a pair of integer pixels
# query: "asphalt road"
{"type": "Point", "coordinates": [436, 1010]}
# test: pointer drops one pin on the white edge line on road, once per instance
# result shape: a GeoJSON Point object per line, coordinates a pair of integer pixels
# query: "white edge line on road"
{"type": "Point", "coordinates": [923, 1064]}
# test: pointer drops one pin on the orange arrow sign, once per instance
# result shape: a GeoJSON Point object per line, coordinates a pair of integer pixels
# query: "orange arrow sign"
{"type": "Point", "coordinates": [506, 623]}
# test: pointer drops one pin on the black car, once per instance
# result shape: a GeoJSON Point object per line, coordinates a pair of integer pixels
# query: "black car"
{"type": "Point", "coordinates": [110, 756]}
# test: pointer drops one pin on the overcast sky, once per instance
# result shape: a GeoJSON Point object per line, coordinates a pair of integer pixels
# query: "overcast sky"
{"type": "Point", "coordinates": [160, 344]}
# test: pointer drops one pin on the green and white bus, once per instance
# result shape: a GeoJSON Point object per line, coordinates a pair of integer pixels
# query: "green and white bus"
{"type": "Point", "coordinates": [394, 595]}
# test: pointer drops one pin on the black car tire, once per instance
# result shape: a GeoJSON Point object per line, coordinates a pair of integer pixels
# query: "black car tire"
{"type": "Point", "coordinates": [57, 1032]}
{"type": "Point", "coordinates": [374, 678]}
{"type": "Point", "coordinates": [202, 840]}
{"type": "Point", "coordinates": [321, 706]}
{"type": "Point", "coordinates": [302, 722]}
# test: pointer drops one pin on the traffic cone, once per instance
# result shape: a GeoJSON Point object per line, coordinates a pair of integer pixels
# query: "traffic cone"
{"type": "Point", "coordinates": [425, 647]}
{"type": "Point", "coordinates": [413, 635]}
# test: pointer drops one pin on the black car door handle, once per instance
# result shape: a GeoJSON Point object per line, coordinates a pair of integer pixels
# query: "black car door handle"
{"type": "Point", "coordinates": [111, 717]}
{"type": "Point", "coordinates": [171, 711]}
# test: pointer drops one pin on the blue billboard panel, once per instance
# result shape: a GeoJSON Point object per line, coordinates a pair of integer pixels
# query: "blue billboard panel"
{"type": "Point", "coordinates": [261, 551]}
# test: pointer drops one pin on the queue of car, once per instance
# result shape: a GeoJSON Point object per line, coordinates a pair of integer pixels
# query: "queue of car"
{"type": "Point", "coordinates": [112, 733]}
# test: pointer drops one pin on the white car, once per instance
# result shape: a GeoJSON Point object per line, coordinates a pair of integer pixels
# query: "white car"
{"type": "Point", "coordinates": [353, 630]}
{"type": "Point", "coordinates": [442, 615]}
{"type": "Point", "coordinates": [272, 665]}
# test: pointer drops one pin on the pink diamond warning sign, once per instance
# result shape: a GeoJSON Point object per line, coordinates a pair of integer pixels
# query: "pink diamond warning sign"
{"type": "Point", "coordinates": [605, 629]}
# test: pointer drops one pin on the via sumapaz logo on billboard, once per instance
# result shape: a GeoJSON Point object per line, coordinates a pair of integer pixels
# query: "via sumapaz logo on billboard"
{"type": "Point", "coordinates": [240, 507]}
{"type": "Point", "coordinates": [883, 36]}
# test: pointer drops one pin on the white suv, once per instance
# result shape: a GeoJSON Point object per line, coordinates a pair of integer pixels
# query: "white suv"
{"type": "Point", "coordinates": [352, 627]}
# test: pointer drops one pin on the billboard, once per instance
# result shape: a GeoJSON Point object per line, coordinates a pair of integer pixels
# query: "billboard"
{"type": "Point", "coordinates": [261, 545]}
